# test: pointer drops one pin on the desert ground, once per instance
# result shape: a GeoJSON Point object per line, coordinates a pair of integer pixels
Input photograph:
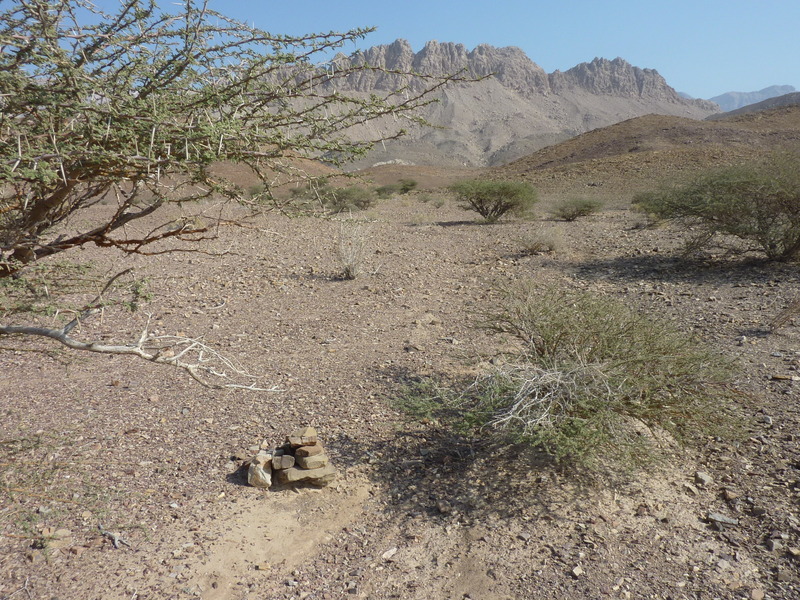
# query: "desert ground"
{"type": "Point", "coordinates": [122, 479]}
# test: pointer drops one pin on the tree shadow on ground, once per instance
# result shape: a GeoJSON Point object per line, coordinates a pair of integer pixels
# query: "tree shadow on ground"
{"type": "Point", "coordinates": [685, 270]}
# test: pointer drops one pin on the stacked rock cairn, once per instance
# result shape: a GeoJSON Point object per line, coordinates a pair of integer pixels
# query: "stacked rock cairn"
{"type": "Point", "coordinates": [301, 459]}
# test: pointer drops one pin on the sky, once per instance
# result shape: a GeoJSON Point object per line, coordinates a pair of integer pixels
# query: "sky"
{"type": "Point", "coordinates": [701, 47]}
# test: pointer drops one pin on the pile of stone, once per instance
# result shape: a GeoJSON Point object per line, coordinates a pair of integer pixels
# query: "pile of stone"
{"type": "Point", "coordinates": [301, 459]}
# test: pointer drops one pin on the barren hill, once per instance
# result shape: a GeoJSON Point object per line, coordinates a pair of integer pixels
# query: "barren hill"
{"type": "Point", "coordinates": [518, 108]}
{"type": "Point", "coordinates": [633, 154]}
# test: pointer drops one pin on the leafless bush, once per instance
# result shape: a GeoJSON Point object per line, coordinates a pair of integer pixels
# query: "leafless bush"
{"type": "Point", "coordinates": [351, 247]}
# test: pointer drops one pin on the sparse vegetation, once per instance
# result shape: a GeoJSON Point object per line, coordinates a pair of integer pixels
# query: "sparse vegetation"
{"type": "Point", "coordinates": [543, 240]}
{"type": "Point", "coordinates": [494, 199]}
{"type": "Point", "coordinates": [402, 187]}
{"type": "Point", "coordinates": [757, 203]}
{"type": "Point", "coordinates": [333, 199]}
{"type": "Point", "coordinates": [788, 315]}
{"type": "Point", "coordinates": [351, 245]}
{"type": "Point", "coordinates": [590, 379]}
{"type": "Point", "coordinates": [574, 208]}
{"type": "Point", "coordinates": [345, 199]}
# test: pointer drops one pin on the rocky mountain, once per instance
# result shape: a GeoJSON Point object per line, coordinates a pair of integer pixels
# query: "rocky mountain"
{"type": "Point", "coordinates": [518, 107]}
{"type": "Point", "coordinates": [733, 100]}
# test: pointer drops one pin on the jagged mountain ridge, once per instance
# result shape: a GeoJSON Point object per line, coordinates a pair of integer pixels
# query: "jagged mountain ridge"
{"type": "Point", "coordinates": [517, 109]}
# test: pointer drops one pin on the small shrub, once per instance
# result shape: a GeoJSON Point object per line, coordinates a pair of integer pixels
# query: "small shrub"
{"type": "Point", "coordinates": [787, 315]}
{"type": "Point", "coordinates": [407, 185]}
{"type": "Point", "coordinates": [347, 198]}
{"type": "Point", "coordinates": [543, 241]}
{"type": "Point", "coordinates": [402, 187]}
{"type": "Point", "coordinates": [574, 208]}
{"type": "Point", "coordinates": [757, 203]}
{"type": "Point", "coordinates": [351, 246]}
{"type": "Point", "coordinates": [255, 191]}
{"type": "Point", "coordinates": [591, 374]}
{"type": "Point", "coordinates": [387, 191]}
{"type": "Point", "coordinates": [494, 199]}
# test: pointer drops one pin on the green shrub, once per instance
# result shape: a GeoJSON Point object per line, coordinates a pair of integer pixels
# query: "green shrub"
{"type": "Point", "coordinates": [590, 381]}
{"type": "Point", "coordinates": [402, 187]}
{"type": "Point", "coordinates": [348, 198]}
{"type": "Point", "coordinates": [387, 191]}
{"type": "Point", "coordinates": [757, 203]}
{"type": "Point", "coordinates": [493, 199]}
{"type": "Point", "coordinates": [573, 208]}
{"type": "Point", "coordinates": [407, 185]}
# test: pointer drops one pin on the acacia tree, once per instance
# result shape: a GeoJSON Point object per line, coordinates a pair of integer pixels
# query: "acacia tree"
{"type": "Point", "coordinates": [139, 105]}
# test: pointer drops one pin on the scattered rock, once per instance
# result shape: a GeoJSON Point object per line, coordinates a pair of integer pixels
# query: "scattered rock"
{"type": "Point", "coordinates": [703, 479]}
{"type": "Point", "coordinates": [774, 544]}
{"type": "Point", "coordinates": [688, 487]}
{"type": "Point", "coordinates": [387, 556]}
{"type": "Point", "coordinates": [729, 495]}
{"type": "Point", "coordinates": [765, 419]}
{"type": "Point", "coordinates": [577, 572]}
{"type": "Point", "coordinates": [722, 519]}
{"type": "Point", "coordinates": [757, 594]}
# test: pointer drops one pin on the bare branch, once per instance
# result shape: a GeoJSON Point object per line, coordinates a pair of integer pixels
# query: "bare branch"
{"type": "Point", "coordinates": [168, 350]}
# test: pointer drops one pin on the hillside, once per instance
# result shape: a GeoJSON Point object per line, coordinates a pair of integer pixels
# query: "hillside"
{"type": "Point", "coordinates": [732, 100]}
{"type": "Point", "coordinates": [634, 154]}
{"type": "Point", "coordinates": [517, 109]}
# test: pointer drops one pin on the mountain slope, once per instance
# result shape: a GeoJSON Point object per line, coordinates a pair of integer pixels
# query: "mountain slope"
{"type": "Point", "coordinates": [632, 155]}
{"type": "Point", "coordinates": [518, 107]}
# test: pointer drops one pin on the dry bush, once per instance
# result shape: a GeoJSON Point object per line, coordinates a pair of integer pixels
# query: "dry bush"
{"type": "Point", "coordinates": [543, 240]}
{"type": "Point", "coordinates": [351, 248]}
{"type": "Point", "coordinates": [787, 315]}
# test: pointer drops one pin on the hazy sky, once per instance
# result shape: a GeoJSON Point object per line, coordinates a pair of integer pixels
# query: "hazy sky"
{"type": "Point", "coordinates": [701, 47]}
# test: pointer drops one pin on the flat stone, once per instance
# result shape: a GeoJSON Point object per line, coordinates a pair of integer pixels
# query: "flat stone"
{"type": "Point", "coordinates": [312, 462]}
{"type": "Point", "coordinates": [322, 476]}
{"type": "Point", "coordinates": [309, 450]}
{"type": "Point", "coordinates": [718, 518]}
{"type": "Point", "coordinates": [285, 461]}
{"type": "Point", "coordinates": [305, 436]}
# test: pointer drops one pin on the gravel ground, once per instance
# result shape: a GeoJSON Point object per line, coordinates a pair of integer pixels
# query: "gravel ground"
{"type": "Point", "coordinates": [104, 449]}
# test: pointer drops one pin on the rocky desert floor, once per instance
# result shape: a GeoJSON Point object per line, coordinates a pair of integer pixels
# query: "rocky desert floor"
{"type": "Point", "coordinates": [122, 480]}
